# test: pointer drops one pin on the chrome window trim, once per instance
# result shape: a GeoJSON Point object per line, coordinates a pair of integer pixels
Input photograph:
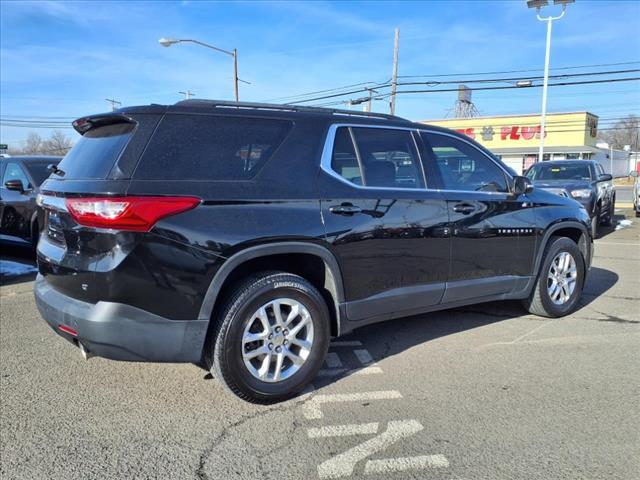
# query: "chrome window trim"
{"type": "Point", "coordinates": [327, 153]}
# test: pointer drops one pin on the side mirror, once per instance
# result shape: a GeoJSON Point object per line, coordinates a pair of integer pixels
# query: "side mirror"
{"type": "Point", "coordinates": [521, 185]}
{"type": "Point", "coordinates": [605, 177]}
{"type": "Point", "coordinates": [15, 185]}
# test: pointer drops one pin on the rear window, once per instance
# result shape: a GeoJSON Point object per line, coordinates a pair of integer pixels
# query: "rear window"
{"type": "Point", "coordinates": [203, 147]}
{"type": "Point", "coordinates": [39, 171]}
{"type": "Point", "coordinates": [96, 152]}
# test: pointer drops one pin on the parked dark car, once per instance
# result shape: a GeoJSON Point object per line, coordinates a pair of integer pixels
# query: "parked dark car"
{"type": "Point", "coordinates": [243, 236]}
{"type": "Point", "coordinates": [582, 180]}
{"type": "Point", "coordinates": [21, 179]}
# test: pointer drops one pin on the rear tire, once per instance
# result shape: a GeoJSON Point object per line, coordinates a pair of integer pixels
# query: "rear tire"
{"type": "Point", "coordinates": [256, 308]}
{"type": "Point", "coordinates": [545, 300]}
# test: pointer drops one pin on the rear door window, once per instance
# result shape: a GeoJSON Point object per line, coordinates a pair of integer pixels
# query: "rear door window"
{"type": "Point", "coordinates": [96, 152]}
{"type": "Point", "coordinates": [207, 147]}
{"type": "Point", "coordinates": [389, 158]}
{"type": "Point", "coordinates": [344, 160]}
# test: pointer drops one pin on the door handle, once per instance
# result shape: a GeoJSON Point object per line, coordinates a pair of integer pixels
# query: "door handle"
{"type": "Point", "coordinates": [345, 209]}
{"type": "Point", "coordinates": [464, 208]}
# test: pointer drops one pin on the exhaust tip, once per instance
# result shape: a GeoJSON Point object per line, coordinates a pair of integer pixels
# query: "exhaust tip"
{"type": "Point", "coordinates": [86, 354]}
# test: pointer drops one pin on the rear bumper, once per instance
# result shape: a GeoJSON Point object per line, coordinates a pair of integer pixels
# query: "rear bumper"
{"type": "Point", "coordinates": [121, 332]}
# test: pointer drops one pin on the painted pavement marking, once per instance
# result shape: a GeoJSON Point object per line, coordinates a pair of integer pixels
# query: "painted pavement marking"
{"type": "Point", "coordinates": [343, 464]}
{"type": "Point", "coordinates": [333, 360]}
{"type": "Point", "coordinates": [402, 464]}
{"type": "Point", "coordinates": [343, 430]}
{"type": "Point", "coordinates": [364, 357]}
{"type": "Point", "coordinates": [346, 343]}
{"type": "Point", "coordinates": [312, 410]}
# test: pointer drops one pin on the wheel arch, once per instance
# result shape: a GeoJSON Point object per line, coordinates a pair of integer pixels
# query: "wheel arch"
{"type": "Point", "coordinates": [574, 230]}
{"type": "Point", "coordinates": [274, 256]}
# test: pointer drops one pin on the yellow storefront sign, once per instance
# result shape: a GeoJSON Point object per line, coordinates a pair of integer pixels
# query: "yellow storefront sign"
{"type": "Point", "coordinates": [562, 129]}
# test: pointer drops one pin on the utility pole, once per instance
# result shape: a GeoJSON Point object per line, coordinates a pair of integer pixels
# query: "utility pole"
{"type": "Point", "coordinates": [187, 95]}
{"type": "Point", "coordinates": [235, 74]}
{"type": "Point", "coordinates": [113, 103]}
{"type": "Point", "coordinates": [394, 78]}
{"type": "Point", "coordinates": [369, 105]}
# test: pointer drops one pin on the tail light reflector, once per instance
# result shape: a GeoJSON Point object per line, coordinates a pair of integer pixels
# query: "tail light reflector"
{"type": "Point", "coordinates": [68, 330]}
{"type": "Point", "coordinates": [137, 214]}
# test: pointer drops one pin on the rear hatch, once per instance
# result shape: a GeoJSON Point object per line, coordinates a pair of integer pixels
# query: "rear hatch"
{"type": "Point", "coordinates": [99, 166]}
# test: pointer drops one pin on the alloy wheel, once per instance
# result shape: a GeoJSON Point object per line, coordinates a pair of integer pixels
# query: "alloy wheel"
{"type": "Point", "coordinates": [561, 279]}
{"type": "Point", "coordinates": [277, 340]}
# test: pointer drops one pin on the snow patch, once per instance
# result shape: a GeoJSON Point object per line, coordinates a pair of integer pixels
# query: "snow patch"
{"type": "Point", "coordinates": [623, 224]}
{"type": "Point", "coordinates": [13, 269]}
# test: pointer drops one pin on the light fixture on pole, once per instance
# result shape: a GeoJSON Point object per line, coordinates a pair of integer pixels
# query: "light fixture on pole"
{"type": "Point", "coordinates": [167, 42]}
{"type": "Point", "coordinates": [538, 4]}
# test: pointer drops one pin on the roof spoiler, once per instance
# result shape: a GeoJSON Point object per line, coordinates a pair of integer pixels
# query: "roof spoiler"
{"type": "Point", "coordinates": [84, 124]}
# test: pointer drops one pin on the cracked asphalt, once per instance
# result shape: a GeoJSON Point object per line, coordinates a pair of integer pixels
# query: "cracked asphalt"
{"type": "Point", "coordinates": [496, 394]}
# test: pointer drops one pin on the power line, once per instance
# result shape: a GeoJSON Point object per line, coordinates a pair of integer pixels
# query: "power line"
{"type": "Point", "coordinates": [379, 84]}
{"type": "Point", "coordinates": [561, 84]}
{"type": "Point", "coordinates": [335, 95]}
{"type": "Point", "coordinates": [521, 71]}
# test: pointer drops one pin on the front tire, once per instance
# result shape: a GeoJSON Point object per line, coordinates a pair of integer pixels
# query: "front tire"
{"type": "Point", "coordinates": [595, 220]}
{"type": "Point", "coordinates": [608, 220]}
{"type": "Point", "coordinates": [560, 280]}
{"type": "Point", "coordinates": [271, 337]}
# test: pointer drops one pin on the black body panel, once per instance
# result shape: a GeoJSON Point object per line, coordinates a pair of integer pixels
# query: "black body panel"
{"type": "Point", "coordinates": [384, 252]}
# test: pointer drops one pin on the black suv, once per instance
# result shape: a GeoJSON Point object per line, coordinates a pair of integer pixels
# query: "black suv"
{"type": "Point", "coordinates": [583, 180]}
{"type": "Point", "coordinates": [244, 236]}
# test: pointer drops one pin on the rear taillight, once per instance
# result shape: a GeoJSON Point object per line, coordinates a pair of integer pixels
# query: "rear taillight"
{"type": "Point", "coordinates": [138, 214]}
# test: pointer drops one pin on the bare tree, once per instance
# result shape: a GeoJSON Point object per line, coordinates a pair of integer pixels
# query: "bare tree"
{"type": "Point", "coordinates": [33, 144]}
{"type": "Point", "coordinates": [624, 132]}
{"type": "Point", "coordinates": [57, 144]}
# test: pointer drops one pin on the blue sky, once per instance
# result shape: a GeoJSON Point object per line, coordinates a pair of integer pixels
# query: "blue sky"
{"type": "Point", "coordinates": [62, 59]}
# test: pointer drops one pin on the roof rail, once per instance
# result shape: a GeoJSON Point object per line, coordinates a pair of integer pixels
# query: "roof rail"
{"type": "Point", "coordinates": [283, 107]}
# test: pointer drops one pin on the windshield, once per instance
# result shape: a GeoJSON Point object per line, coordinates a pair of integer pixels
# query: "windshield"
{"type": "Point", "coordinates": [550, 171]}
{"type": "Point", "coordinates": [39, 171]}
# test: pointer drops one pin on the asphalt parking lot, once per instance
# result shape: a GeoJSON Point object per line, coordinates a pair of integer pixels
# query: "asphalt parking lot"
{"type": "Point", "coordinates": [484, 392]}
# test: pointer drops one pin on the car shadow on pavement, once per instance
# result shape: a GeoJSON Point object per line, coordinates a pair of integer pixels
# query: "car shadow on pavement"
{"type": "Point", "coordinates": [17, 265]}
{"type": "Point", "coordinates": [389, 338]}
{"type": "Point", "coordinates": [618, 220]}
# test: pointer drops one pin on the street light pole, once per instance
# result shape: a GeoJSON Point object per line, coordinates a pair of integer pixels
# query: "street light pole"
{"type": "Point", "coordinates": [538, 4]}
{"type": "Point", "coordinates": [167, 42]}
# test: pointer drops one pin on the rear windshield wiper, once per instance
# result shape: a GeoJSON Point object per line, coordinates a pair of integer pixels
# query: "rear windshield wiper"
{"type": "Point", "coordinates": [53, 168]}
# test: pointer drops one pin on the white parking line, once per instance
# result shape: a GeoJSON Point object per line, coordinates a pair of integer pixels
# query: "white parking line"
{"type": "Point", "coordinates": [342, 465]}
{"type": "Point", "coordinates": [311, 409]}
{"type": "Point", "coordinates": [333, 360]}
{"type": "Point", "coordinates": [401, 464]}
{"type": "Point", "coordinates": [364, 356]}
{"type": "Point", "coordinates": [346, 343]}
{"type": "Point", "coordinates": [618, 243]}
{"type": "Point", "coordinates": [343, 430]}
{"type": "Point", "coordinates": [334, 372]}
